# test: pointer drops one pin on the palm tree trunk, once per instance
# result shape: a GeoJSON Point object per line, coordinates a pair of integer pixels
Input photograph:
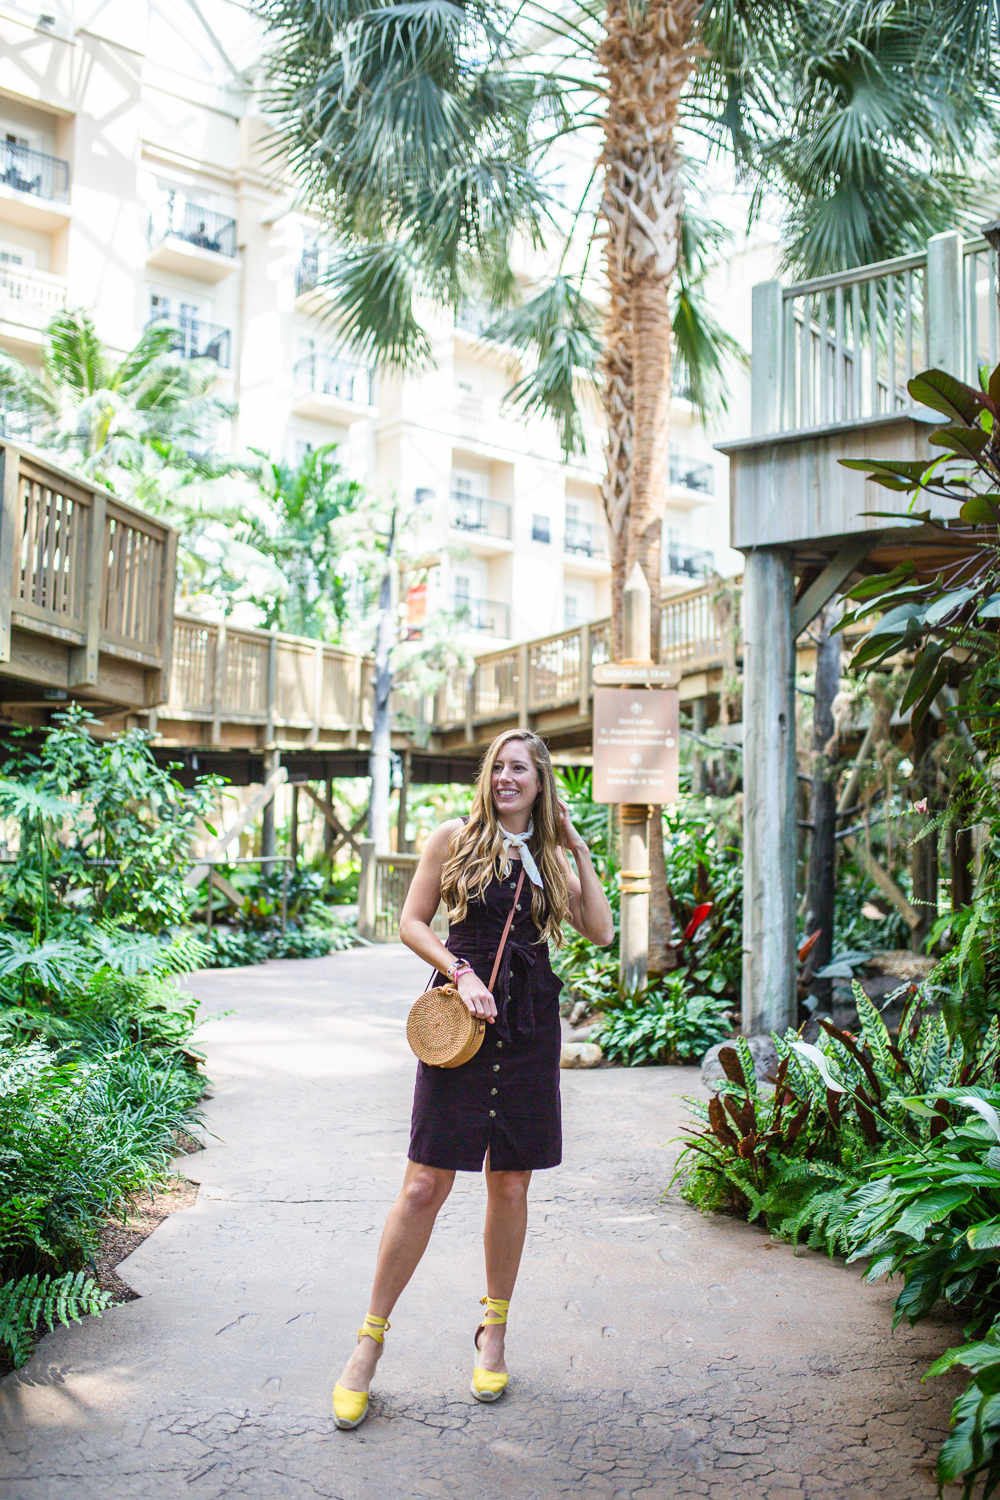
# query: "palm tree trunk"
{"type": "Point", "coordinates": [646, 57]}
{"type": "Point", "coordinates": [380, 758]}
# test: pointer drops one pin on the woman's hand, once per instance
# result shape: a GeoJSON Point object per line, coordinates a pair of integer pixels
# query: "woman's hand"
{"type": "Point", "coordinates": [476, 996]}
{"type": "Point", "coordinates": [568, 836]}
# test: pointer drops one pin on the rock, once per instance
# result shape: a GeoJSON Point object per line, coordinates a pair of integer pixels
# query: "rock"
{"type": "Point", "coordinates": [580, 1055]}
{"type": "Point", "coordinates": [580, 1009]}
{"type": "Point", "coordinates": [585, 1033]}
{"type": "Point", "coordinates": [762, 1050]}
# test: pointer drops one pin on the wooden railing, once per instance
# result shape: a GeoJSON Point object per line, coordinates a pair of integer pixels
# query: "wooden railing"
{"type": "Point", "coordinates": [382, 886]}
{"type": "Point", "coordinates": [86, 585]}
{"type": "Point", "coordinates": [556, 670]}
{"type": "Point", "coordinates": [236, 675]}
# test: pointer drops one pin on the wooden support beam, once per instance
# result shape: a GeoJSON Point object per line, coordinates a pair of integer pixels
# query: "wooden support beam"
{"type": "Point", "coordinates": [832, 579]}
{"type": "Point", "coordinates": [9, 513]}
{"type": "Point", "coordinates": [218, 681]}
{"type": "Point", "coordinates": [769, 794]}
{"type": "Point", "coordinates": [404, 792]}
{"type": "Point", "coordinates": [344, 834]}
{"type": "Point", "coordinates": [83, 660]}
{"type": "Point", "coordinates": [881, 877]}
{"type": "Point", "coordinates": [220, 844]}
{"type": "Point", "coordinates": [227, 888]}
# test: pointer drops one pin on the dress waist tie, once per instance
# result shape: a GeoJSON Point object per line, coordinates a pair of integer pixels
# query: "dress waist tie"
{"type": "Point", "coordinates": [482, 959]}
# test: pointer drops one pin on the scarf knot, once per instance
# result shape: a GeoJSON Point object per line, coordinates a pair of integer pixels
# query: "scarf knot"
{"type": "Point", "coordinates": [519, 841]}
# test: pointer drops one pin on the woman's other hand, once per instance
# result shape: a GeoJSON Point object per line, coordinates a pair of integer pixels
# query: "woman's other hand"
{"type": "Point", "coordinates": [476, 997]}
{"type": "Point", "coordinates": [568, 836]}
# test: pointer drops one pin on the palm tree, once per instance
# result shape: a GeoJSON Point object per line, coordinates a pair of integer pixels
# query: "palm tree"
{"type": "Point", "coordinates": [421, 132]}
{"type": "Point", "coordinates": [122, 422]}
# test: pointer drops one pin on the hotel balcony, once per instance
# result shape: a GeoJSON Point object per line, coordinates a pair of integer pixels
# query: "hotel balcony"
{"type": "Point", "coordinates": [29, 300]}
{"type": "Point", "coordinates": [484, 616]}
{"type": "Point", "coordinates": [329, 388]}
{"type": "Point", "coordinates": [191, 240]}
{"type": "Point", "coordinates": [34, 188]}
{"type": "Point", "coordinates": [195, 339]}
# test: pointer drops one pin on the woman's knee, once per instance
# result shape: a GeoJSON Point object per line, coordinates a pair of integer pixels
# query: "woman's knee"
{"type": "Point", "coordinates": [509, 1188]}
{"type": "Point", "coordinates": [425, 1188]}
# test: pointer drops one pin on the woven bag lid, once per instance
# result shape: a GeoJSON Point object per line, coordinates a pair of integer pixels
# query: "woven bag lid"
{"type": "Point", "coordinates": [440, 1029]}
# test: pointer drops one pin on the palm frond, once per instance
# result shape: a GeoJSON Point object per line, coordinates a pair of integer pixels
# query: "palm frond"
{"type": "Point", "coordinates": [559, 327]}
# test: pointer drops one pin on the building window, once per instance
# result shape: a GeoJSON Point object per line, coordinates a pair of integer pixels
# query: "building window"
{"type": "Point", "coordinates": [540, 529]}
{"type": "Point", "coordinates": [572, 611]}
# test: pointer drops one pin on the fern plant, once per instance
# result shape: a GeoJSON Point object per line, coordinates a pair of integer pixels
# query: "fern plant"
{"type": "Point", "coordinates": [36, 1302]}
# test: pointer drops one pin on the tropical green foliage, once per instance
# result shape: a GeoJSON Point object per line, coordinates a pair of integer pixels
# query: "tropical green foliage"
{"type": "Point", "coordinates": [431, 137]}
{"type": "Point", "coordinates": [664, 1024]}
{"type": "Point", "coordinates": [134, 423]}
{"type": "Point", "coordinates": [104, 836]}
{"type": "Point", "coordinates": [787, 1156]}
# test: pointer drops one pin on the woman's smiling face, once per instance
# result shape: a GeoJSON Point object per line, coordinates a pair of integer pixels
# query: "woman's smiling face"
{"type": "Point", "coordinates": [515, 781]}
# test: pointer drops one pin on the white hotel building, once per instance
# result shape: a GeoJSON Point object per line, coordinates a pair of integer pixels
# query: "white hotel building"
{"type": "Point", "coordinates": [134, 182]}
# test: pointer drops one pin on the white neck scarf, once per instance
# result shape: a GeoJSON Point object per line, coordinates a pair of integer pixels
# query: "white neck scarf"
{"type": "Point", "coordinates": [519, 841]}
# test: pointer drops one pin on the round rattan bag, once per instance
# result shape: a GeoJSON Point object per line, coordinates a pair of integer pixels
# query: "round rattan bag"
{"type": "Point", "coordinates": [440, 1029]}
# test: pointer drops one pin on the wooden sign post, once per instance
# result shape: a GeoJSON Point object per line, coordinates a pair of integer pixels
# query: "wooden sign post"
{"type": "Point", "coordinates": [636, 738]}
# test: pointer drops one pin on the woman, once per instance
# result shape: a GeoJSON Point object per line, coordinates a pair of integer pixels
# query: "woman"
{"type": "Point", "coordinates": [502, 1106]}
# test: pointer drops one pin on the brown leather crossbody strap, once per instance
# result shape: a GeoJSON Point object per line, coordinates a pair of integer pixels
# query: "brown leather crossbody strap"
{"type": "Point", "coordinates": [503, 940]}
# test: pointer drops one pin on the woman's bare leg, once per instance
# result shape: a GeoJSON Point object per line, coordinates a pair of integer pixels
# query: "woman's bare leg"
{"type": "Point", "coordinates": [404, 1240]}
{"type": "Point", "coordinates": [503, 1241]}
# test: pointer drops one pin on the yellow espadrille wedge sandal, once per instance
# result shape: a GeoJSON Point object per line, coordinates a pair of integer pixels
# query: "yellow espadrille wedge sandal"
{"type": "Point", "coordinates": [489, 1385]}
{"type": "Point", "coordinates": [351, 1407]}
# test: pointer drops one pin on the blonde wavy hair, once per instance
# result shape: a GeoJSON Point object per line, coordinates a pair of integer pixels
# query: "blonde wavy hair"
{"type": "Point", "coordinates": [476, 852]}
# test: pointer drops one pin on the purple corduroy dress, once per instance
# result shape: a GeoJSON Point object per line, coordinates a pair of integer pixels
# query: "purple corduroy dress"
{"type": "Point", "coordinates": [506, 1098]}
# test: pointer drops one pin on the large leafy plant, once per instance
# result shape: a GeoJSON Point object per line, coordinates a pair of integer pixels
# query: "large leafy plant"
{"type": "Point", "coordinates": [943, 614]}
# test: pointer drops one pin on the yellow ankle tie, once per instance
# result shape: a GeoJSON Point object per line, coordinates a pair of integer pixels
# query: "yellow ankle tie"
{"type": "Point", "coordinates": [374, 1328]}
{"type": "Point", "coordinates": [489, 1385]}
{"type": "Point", "coordinates": [496, 1309]}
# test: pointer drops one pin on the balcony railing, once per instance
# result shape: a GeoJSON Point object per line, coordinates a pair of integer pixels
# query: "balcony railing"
{"type": "Point", "coordinates": [584, 538]}
{"type": "Point", "coordinates": [474, 317]}
{"type": "Point", "coordinates": [178, 216]}
{"type": "Point", "coordinates": [329, 375]}
{"type": "Point", "coordinates": [982, 315]}
{"type": "Point", "coordinates": [314, 266]}
{"type": "Point", "coordinates": [690, 562]}
{"type": "Point", "coordinates": [691, 473]}
{"type": "Point", "coordinates": [34, 172]}
{"type": "Point", "coordinates": [487, 616]}
{"type": "Point", "coordinates": [31, 298]}
{"type": "Point", "coordinates": [852, 341]}
{"type": "Point", "coordinates": [194, 339]}
{"type": "Point", "coordinates": [476, 513]}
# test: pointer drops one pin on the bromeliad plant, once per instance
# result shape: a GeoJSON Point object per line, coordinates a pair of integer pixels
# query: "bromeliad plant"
{"type": "Point", "coordinates": [790, 1156]}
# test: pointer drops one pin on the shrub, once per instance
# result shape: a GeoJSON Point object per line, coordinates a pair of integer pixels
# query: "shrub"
{"type": "Point", "coordinates": [665, 1024]}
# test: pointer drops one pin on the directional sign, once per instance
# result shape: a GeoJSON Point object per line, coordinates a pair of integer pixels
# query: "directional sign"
{"type": "Point", "coordinates": [624, 674]}
{"type": "Point", "coordinates": [636, 753]}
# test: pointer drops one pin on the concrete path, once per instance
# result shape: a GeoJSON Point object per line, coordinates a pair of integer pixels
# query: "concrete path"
{"type": "Point", "coordinates": [654, 1352]}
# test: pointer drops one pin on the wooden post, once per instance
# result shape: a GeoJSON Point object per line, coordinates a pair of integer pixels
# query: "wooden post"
{"type": "Point", "coordinates": [83, 660]}
{"type": "Point", "coordinates": [634, 875]}
{"type": "Point", "coordinates": [293, 832]}
{"type": "Point", "coordinates": [367, 891]}
{"type": "Point", "coordinates": [267, 836]}
{"type": "Point", "coordinates": [272, 688]}
{"type": "Point", "coordinates": [699, 771]}
{"type": "Point", "coordinates": [585, 671]}
{"type": "Point", "coordinates": [767, 307]}
{"type": "Point", "coordinates": [944, 303]}
{"type": "Point", "coordinates": [822, 872]}
{"type": "Point", "coordinates": [523, 685]}
{"type": "Point", "coordinates": [9, 512]}
{"type": "Point", "coordinates": [769, 793]}
{"type": "Point", "coordinates": [219, 681]}
{"type": "Point", "coordinates": [402, 847]}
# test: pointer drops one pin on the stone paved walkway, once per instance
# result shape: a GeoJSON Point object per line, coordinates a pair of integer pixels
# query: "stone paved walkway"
{"type": "Point", "coordinates": [654, 1352]}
